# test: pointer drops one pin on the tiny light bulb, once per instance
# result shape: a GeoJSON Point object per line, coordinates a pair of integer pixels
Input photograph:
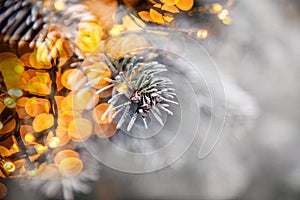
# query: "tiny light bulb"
{"type": "Point", "coordinates": [202, 34]}
{"type": "Point", "coordinates": [15, 93]}
{"type": "Point", "coordinates": [9, 166]}
{"type": "Point", "coordinates": [40, 148]}
{"type": "Point", "coordinates": [29, 138]}
{"type": "Point", "coordinates": [223, 14]}
{"type": "Point", "coordinates": [116, 30]}
{"type": "Point", "coordinates": [10, 102]}
{"type": "Point", "coordinates": [54, 142]}
{"type": "Point", "coordinates": [216, 8]}
{"type": "Point", "coordinates": [58, 5]}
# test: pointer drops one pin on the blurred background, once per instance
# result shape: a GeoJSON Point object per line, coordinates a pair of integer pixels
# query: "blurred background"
{"type": "Point", "coordinates": [257, 155]}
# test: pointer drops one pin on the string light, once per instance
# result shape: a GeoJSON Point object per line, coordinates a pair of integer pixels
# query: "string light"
{"type": "Point", "coordinates": [54, 142]}
{"type": "Point", "coordinates": [10, 102]}
{"type": "Point", "coordinates": [9, 166]}
{"type": "Point", "coordinates": [40, 148]}
{"type": "Point", "coordinates": [202, 34]}
{"type": "Point", "coordinates": [215, 8]}
{"type": "Point", "coordinates": [29, 138]}
{"type": "Point", "coordinates": [223, 14]}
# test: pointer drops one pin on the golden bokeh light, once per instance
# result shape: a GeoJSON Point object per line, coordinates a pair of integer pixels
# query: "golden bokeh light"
{"type": "Point", "coordinates": [59, 5]}
{"type": "Point", "coordinates": [215, 8]}
{"type": "Point", "coordinates": [70, 166]}
{"type": "Point", "coordinates": [60, 156]}
{"type": "Point", "coordinates": [202, 33]}
{"type": "Point", "coordinates": [117, 29]}
{"type": "Point", "coordinates": [101, 110]}
{"type": "Point", "coordinates": [42, 122]}
{"type": "Point", "coordinates": [184, 4]}
{"type": "Point", "coordinates": [79, 129]}
{"type": "Point", "coordinates": [89, 35]}
{"type": "Point", "coordinates": [223, 14]}
{"type": "Point", "coordinates": [54, 142]}
{"type": "Point", "coordinates": [9, 166]}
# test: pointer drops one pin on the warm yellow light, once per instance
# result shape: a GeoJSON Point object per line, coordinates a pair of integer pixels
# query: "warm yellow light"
{"type": "Point", "coordinates": [216, 8]}
{"type": "Point", "coordinates": [1, 125]}
{"type": "Point", "coordinates": [40, 148]}
{"type": "Point", "coordinates": [202, 34]}
{"type": "Point", "coordinates": [9, 166]}
{"type": "Point", "coordinates": [19, 69]}
{"type": "Point", "coordinates": [15, 147]}
{"type": "Point", "coordinates": [59, 5]}
{"type": "Point", "coordinates": [116, 30]}
{"type": "Point", "coordinates": [54, 142]}
{"type": "Point", "coordinates": [227, 20]}
{"type": "Point", "coordinates": [29, 138]}
{"type": "Point", "coordinates": [223, 14]}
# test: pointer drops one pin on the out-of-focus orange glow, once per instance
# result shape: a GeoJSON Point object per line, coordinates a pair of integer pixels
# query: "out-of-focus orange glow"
{"type": "Point", "coordinates": [40, 148]}
{"type": "Point", "coordinates": [84, 99]}
{"type": "Point", "coordinates": [54, 142]}
{"type": "Point", "coordinates": [184, 5]}
{"type": "Point", "coordinates": [4, 151]}
{"type": "Point", "coordinates": [97, 73]}
{"type": "Point", "coordinates": [11, 69]}
{"type": "Point", "coordinates": [60, 156]}
{"type": "Point", "coordinates": [29, 138]}
{"type": "Point", "coordinates": [168, 19]}
{"type": "Point", "coordinates": [168, 2]}
{"type": "Point", "coordinates": [145, 15]}
{"type": "Point", "coordinates": [73, 79]}
{"type": "Point", "coordinates": [62, 134]}
{"type": "Point", "coordinates": [79, 129]}
{"type": "Point", "coordinates": [156, 16]}
{"type": "Point", "coordinates": [100, 110]}
{"type": "Point", "coordinates": [118, 47]}
{"type": "Point", "coordinates": [10, 126]}
{"type": "Point", "coordinates": [105, 130]}
{"type": "Point", "coordinates": [157, 5]}
{"type": "Point", "coordinates": [35, 106]}
{"type": "Point", "coordinates": [170, 8]}
{"type": "Point", "coordinates": [26, 132]}
{"type": "Point", "coordinates": [36, 82]}
{"type": "Point", "coordinates": [70, 166]}
{"type": "Point", "coordinates": [89, 35]}
{"type": "Point", "coordinates": [42, 122]}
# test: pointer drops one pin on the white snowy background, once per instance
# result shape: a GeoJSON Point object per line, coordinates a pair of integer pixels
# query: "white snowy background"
{"type": "Point", "coordinates": [258, 154]}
